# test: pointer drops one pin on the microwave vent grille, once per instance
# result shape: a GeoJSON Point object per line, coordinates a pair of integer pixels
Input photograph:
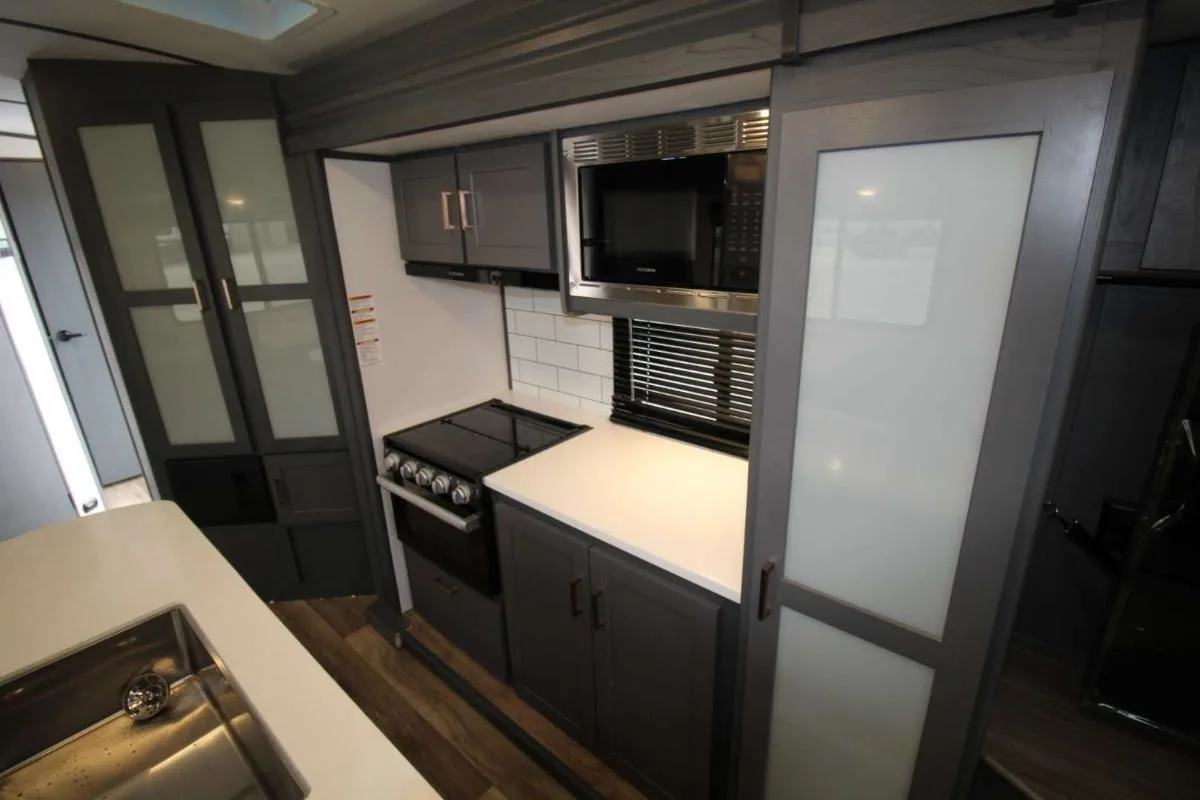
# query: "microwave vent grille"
{"type": "Point", "coordinates": [719, 135]}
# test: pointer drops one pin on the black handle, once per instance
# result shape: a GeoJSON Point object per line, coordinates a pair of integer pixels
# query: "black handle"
{"type": "Point", "coordinates": [764, 587]}
{"type": "Point", "coordinates": [442, 585]}
{"type": "Point", "coordinates": [598, 620]}
{"type": "Point", "coordinates": [281, 493]}
{"type": "Point", "coordinates": [66, 336]}
{"type": "Point", "coordinates": [576, 606]}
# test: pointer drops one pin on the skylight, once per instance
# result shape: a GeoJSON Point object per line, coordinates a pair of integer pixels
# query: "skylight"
{"type": "Point", "coordinates": [259, 19]}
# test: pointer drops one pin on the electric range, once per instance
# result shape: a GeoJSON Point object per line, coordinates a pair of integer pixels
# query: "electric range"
{"type": "Point", "coordinates": [435, 474]}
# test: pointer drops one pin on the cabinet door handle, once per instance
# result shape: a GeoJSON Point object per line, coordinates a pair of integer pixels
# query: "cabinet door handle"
{"type": "Point", "coordinates": [441, 584]}
{"type": "Point", "coordinates": [281, 493]}
{"type": "Point", "coordinates": [576, 606]}
{"type": "Point", "coordinates": [229, 301]}
{"type": "Point", "coordinates": [764, 587]}
{"type": "Point", "coordinates": [198, 294]}
{"type": "Point", "coordinates": [599, 619]}
{"type": "Point", "coordinates": [446, 224]}
{"type": "Point", "coordinates": [462, 209]}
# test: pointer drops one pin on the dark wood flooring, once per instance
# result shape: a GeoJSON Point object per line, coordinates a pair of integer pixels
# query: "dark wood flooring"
{"type": "Point", "coordinates": [1041, 741]}
{"type": "Point", "coordinates": [460, 753]}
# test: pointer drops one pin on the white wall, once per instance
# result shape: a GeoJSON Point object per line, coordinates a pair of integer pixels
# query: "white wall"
{"type": "Point", "coordinates": [563, 358]}
{"type": "Point", "coordinates": [443, 341]}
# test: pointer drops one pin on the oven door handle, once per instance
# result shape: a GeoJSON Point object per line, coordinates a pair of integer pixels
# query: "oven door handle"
{"type": "Point", "coordinates": [453, 520]}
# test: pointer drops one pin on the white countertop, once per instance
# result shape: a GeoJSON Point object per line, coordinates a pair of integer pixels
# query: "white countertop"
{"type": "Point", "coordinates": [678, 506]}
{"type": "Point", "coordinates": [68, 585]}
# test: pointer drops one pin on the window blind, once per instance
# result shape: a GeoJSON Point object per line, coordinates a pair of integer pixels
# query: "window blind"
{"type": "Point", "coordinates": [693, 383]}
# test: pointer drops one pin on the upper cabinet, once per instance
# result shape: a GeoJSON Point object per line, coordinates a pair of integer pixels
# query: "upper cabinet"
{"type": "Point", "coordinates": [1155, 220]}
{"type": "Point", "coordinates": [487, 207]}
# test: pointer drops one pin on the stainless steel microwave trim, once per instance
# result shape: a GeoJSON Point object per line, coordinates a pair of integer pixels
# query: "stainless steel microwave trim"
{"type": "Point", "coordinates": [464, 524]}
{"type": "Point", "coordinates": [721, 134]}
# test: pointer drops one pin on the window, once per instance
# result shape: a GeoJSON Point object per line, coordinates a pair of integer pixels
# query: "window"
{"type": "Point", "coordinates": [695, 384]}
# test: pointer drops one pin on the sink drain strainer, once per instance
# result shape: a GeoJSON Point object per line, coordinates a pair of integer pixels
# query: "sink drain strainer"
{"type": "Point", "coordinates": [146, 696]}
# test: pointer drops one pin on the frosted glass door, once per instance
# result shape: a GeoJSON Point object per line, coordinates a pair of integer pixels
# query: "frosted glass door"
{"type": "Point", "coordinates": [156, 278]}
{"type": "Point", "coordinates": [277, 308]}
{"type": "Point", "coordinates": [922, 251]}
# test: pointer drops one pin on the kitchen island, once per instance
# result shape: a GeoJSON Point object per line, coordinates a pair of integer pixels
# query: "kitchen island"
{"type": "Point", "coordinates": [68, 585]}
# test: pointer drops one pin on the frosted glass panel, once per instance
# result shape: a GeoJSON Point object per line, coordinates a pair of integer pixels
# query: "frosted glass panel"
{"type": "Point", "coordinates": [291, 367]}
{"type": "Point", "coordinates": [913, 254]}
{"type": "Point", "coordinates": [182, 374]}
{"type": "Point", "coordinates": [846, 716]}
{"type": "Point", "coordinates": [248, 174]}
{"type": "Point", "coordinates": [135, 204]}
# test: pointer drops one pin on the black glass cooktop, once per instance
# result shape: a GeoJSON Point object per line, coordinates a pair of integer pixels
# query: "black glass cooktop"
{"type": "Point", "coordinates": [482, 439]}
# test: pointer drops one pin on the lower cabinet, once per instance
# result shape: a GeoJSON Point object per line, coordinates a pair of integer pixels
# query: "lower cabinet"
{"type": "Point", "coordinates": [620, 656]}
{"type": "Point", "coordinates": [261, 554]}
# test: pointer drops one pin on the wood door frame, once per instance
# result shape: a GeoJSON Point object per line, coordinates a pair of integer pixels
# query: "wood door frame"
{"type": "Point", "coordinates": [1010, 109]}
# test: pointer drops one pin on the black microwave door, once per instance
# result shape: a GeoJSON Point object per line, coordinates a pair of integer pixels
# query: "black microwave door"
{"type": "Point", "coordinates": [653, 222]}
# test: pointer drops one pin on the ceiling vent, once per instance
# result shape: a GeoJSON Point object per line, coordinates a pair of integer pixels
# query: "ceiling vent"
{"type": "Point", "coordinates": [264, 20]}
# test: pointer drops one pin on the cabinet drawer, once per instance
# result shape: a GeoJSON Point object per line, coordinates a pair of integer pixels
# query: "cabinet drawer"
{"type": "Point", "coordinates": [471, 620]}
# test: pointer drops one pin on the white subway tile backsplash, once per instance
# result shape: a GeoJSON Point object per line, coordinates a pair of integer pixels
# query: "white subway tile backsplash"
{"type": "Point", "coordinates": [522, 346]}
{"type": "Point", "coordinates": [594, 407]}
{"type": "Point", "coordinates": [577, 331]}
{"type": "Point", "coordinates": [558, 357]}
{"type": "Point", "coordinates": [559, 397]}
{"type": "Point", "coordinates": [579, 384]}
{"type": "Point", "coordinates": [518, 298]}
{"type": "Point", "coordinates": [557, 353]}
{"type": "Point", "coordinates": [542, 375]}
{"type": "Point", "coordinates": [538, 325]}
{"type": "Point", "coordinates": [597, 362]}
{"type": "Point", "coordinates": [512, 366]}
{"type": "Point", "coordinates": [547, 302]}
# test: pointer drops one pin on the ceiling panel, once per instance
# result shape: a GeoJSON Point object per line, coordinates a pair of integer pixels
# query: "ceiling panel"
{"type": "Point", "coordinates": [12, 147]}
{"type": "Point", "coordinates": [14, 118]}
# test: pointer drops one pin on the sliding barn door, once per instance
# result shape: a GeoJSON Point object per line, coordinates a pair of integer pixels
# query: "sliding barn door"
{"type": "Point", "coordinates": [921, 250]}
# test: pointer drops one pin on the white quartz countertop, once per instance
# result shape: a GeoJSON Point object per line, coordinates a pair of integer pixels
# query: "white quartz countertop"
{"type": "Point", "coordinates": [67, 585]}
{"type": "Point", "coordinates": [678, 506]}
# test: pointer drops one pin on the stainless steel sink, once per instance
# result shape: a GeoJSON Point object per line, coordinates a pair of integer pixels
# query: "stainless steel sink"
{"type": "Point", "coordinates": [66, 732]}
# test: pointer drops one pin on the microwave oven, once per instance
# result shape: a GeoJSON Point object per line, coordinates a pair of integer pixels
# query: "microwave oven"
{"type": "Point", "coordinates": [670, 213]}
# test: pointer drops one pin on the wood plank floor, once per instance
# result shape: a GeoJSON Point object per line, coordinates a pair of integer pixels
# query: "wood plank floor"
{"type": "Point", "coordinates": [460, 753]}
{"type": "Point", "coordinates": [1040, 740]}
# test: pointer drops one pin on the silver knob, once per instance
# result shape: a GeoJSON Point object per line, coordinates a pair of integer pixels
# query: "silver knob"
{"type": "Point", "coordinates": [408, 470]}
{"type": "Point", "coordinates": [391, 460]}
{"type": "Point", "coordinates": [424, 476]}
{"type": "Point", "coordinates": [462, 494]}
{"type": "Point", "coordinates": [441, 484]}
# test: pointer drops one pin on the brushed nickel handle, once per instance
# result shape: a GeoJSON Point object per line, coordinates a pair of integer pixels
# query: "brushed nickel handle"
{"type": "Point", "coordinates": [446, 224]}
{"type": "Point", "coordinates": [198, 294]}
{"type": "Point", "coordinates": [228, 294]}
{"type": "Point", "coordinates": [462, 209]}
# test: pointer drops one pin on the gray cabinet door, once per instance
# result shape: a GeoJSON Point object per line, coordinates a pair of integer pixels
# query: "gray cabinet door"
{"type": "Point", "coordinates": [1174, 238]}
{"type": "Point", "coordinates": [427, 210]}
{"type": "Point", "coordinates": [261, 554]}
{"type": "Point", "coordinates": [312, 487]}
{"type": "Point", "coordinates": [545, 574]}
{"type": "Point", "coordinates": [656, 660]}
{"type": "Point", "coordinates": [504, 203]}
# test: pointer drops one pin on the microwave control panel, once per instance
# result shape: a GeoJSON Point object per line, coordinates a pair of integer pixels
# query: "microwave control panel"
{"type": "Point", "coordinates": [743, 220]}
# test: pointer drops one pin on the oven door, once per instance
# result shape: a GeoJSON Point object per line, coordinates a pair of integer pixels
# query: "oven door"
{"type": "Point", "coordinates": [655, 223]}
{"type": "Point", "coordinates": [463, 545]}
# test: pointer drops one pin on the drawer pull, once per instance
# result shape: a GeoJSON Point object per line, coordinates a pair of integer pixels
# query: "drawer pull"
{"type": "Point", "coordinates": [599, 620]}
{"type": "Point", "coordinates": [441, 584]}
{"type": "Point", "coordinates": [576, 606]}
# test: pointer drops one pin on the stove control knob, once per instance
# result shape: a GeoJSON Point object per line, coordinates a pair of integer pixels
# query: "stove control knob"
{"type": "Point", "coordinates": [462, 494]}
{"type": "Point", "coordinates": [441, 484]}
{"type": "Point", "coordinates": [424, 476]}
{"type": "Point", "coordinates": [391, 460]}
{"type": "Point", "coordinates": [408, 470]}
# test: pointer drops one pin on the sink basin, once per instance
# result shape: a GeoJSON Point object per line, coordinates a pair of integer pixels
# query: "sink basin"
{"type": "Point", "coordinates": [64, 732]}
